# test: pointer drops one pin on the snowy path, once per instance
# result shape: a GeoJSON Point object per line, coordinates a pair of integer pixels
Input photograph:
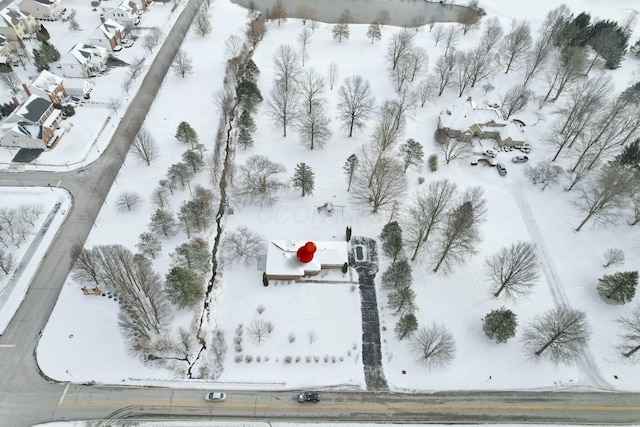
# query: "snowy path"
{"type": "Point", "coordinates": [586, 362]}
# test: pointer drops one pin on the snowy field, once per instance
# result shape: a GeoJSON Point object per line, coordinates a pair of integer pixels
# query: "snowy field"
{"type": "Point", "coordinates": [71, 347]}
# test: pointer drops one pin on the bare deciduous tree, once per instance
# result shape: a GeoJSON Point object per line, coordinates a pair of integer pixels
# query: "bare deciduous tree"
{"type": "Point", "coordinates": [543, 174]}
{"type": "Point", "coordinates": [514, 100]}
{"type": "Point", "coordinates": [399, 44]}
{"type": "Point", "coordinates": [516, 43]}
{"type": "Point", "coordinates": [333, 74]}
{"type": "Point", "coordinates": [631, 333]}
{"type": "Point", "coordinates": [255, 32]}
{"type": "Point", "coordinates": [144, 146]}
{"type": "Point", "coordinates": [481, 66]}
{"type": "Point", "coordinates": [450, 40]}
{"type": "Point", "coordinates": [304, 38]}
{"type": "Point", "coordinates": [311, 88]}
{"type": "Point", "coordinates": [260, 329]}
{"type": "Point", "coordinates": [613, 257]}
{"type": "Point", "coordinates": [314, 127]}
{"type": "Point", "coordinates": [378, 182]}
{"type": "Point", "coordinates": [356, 103]}
{"type": "Point", "coordinates": [7, 261]}
{"type": "Point", "coordinates": [426, 90]}
{"type": "Point", "coordinates": [559, 335]}
{"type": "Point", "coordinates": [278, 12]}
{"type": "Point", "coordinates": [433, 346]}
{"type": "Point", "coordinates": [202, 23]}
{"type": "Point", "coordinates": [285, 64]}
{"type": "Point", "coordinates": [469, 16]}
{"type": "Point", "coordinates": [11, 81]}
{"type": "Point", "coordinates": [491, 35]}
{"type": "Point", "coordinates": [128, 200]}
{"type": "Point", "coordinates": [566, 67]}
{"type": "Point", "coordinates": [283, 106]}
{"type": "Point", "coordinates": [452, 149]}
{"type": "Point", "coordinates": [437, 31]}
{"type": "Point", "coordinates": [513, 270]}
{"type": "Point", "coordinates": [536, 58]}
{"type": "Point", "coordinates": [152, 39]}
{"type": "Point", "coordinates": [242, 245]}
{"type": "Point", "coordinates": [258, 180]}
{"type": "Point", "coordinates": [604, 199]}
{"type": "Point", "coordinates": [442, 73]}
{"type": "Point", "coordinates": [182, 64]}
{"type": "Point", "coordinates": [233, 47]}
{"type": "Point", "coordinates": [425, 213]}
{"type": "Point", "coordinates": [462, 71]}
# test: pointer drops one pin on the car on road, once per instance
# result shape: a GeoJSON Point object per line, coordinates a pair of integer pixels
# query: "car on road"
{"type": "Point", "coordinates": [309, 397]}
{"type": "Point", "coordinates": [489, 153]}
{"type": "Point", "coordinates": [520, 159]}
{"type": "Point", "coordinates": [215, 396]}
{"type": "Point", "coordinates": [501, 169]}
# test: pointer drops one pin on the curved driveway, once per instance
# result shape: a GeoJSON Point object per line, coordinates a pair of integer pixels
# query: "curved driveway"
{"type": "Point", "coordinates": [26, 398]}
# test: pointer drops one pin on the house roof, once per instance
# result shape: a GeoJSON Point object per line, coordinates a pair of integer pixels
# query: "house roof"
{"type": "Point", "coordinates": [84, 52]}
{"type": "Point", "coordinates": [12, 14]}
{"type": "Point", "coordinates": [25, 128]}
{"type": "Point", "coordinates": [46, 82]}
{"type": "Point", "coordinates": [512, 131]}
{"type": "Point", "coordinates": [464, 115]}
{"type": "Point", "coordinates": [46, 2]}
{"type": "Point", "coordinates": [33, 108]}
{"type": "Point", "coordinates": [107, 29]}
{"type": "Point", "coordinates": [282, 259]}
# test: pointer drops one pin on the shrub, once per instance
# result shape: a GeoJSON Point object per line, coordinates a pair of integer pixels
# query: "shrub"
{"type": "Point", "coordinates": [433, 162]}
{"type": "Point", "coordinates": [288, 359]}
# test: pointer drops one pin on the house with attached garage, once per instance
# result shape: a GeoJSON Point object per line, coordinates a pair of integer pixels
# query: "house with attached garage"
{"type": "Point", "coordinates": [16, 25]}
{"type": "Point", "coordinates": [467, 120]}
{"type": "Point", "coordinates": [33, 124]}
{"type": "Point", "coordinates": [47, 85]}
{"type": "Point", "coordinates": [107, 35]}
{"type": "Point", "coordinates": [84, 60]}
{"type": "Point", "coordinates": [126, 14]}
{"type": "Point", "coordinates": [48, 10]}
{"type": "Point", "coordinates": [297, 259]}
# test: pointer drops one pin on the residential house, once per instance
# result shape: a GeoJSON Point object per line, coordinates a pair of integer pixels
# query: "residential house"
{"type": "Point", "coordinates": [283, 262]}
{"type": "Point", "coordinates": [467, 120]}
{"type": "Point", "coordinates": [126, 14]}
{"type": "Point", "coordinates": [16, 25]}
{"type": "Point", "coordinates": [33, 124]}
{"type": "Point", "coordinates": [47, 85]}
{"type": "Point", "coordinates": [6, 57]}
{"type": "Point", "coordinates": [142, 4]}
{"type": "Point", "coordinates": [84, 60]}
{"type": "Point", "coordinates": [49, 10]}
{"type": "Point", "coordinates": [107, 35]}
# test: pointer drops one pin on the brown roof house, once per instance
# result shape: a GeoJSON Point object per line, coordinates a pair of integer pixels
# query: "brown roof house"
{"type": "Point", "coordinates": [296, 259]}
{"type": "Point", "coordinates": [33, 124]}
{"type": "Point", "coordinates": [48, 85]}
{"type": "Point", "coordinates": [16, 25]}
{"type": "Point", "coordinates": [466, 120]}
{"type": "Point", "coordinates": [49, 10]}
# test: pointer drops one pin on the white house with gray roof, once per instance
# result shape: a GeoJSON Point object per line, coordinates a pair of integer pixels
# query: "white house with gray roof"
{"type": "Point", "coordinates": [33, 124]}
{"type": "Point", "coordinates": [84, 60]}
{"type": "Point", "coordinates": [16, 25]}
{"type": "Point", "coordinates": [48, 10]}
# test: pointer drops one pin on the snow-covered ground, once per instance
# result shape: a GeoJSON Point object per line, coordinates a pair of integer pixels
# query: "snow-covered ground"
{"type": "Point", "coordinates": [72, 346]}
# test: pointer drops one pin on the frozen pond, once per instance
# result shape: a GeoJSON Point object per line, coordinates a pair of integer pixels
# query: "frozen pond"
{"type": "Point", "coordinates": [402, 12]}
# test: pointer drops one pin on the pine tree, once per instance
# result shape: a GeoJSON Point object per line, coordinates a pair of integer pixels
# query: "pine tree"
{"type": "Point", "coordinates": [412, 153]}
{"type": "Point", "coordinates": [248, 94]}
{"type": "Point", "coordinates": [49, 52]}
{"type": "Point", "coordinates": [149, 244]}
{"type": "Point", "coordinates": [304, 179]}
{"type": "Point", "coordinates": [398, 275]}
{"type": "Point", "coordinates": [193, 158]}
{"type": "Point", "coordinates": [245, 140]}
{"type": "Point", "coordinates": [500, 325]}
{"type": "Point", "coordinates": [402, 300]}
{"type": "Point", "coordinates": [184, 287]}
{"type": "Point", "coordinates": [251, 71]}
{"type": "Point", "coordinates": [186, 134]}
{"type": "Point", "coordinates": [373, 32]}
{"type": "Point", "coordinates": [630, 155]}
{"type": "Point", "coordinates": [349, 168]}
{"type": "Point", "coordinates": [406, 325]}
{"type": "Point", "coordinates": [246, 128]}
{"type": "Point", "coordinates": [618, 288]}
{"type": "Point", "coordinates": [40, 63]}
{"type": "Point", "coordinates": [391, 237]}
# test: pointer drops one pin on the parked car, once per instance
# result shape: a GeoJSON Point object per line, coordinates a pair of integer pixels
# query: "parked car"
{"type": "Point", "coordinates": [501, 169]}
{"type": "Point", "coordinates": [309, 396]}
{"type": "Point", "coordinates": [525, 148]}
{"type": "Point", "coordinates": [126, 42]}
{"type": "Point", "coordinates": [520, 159]}
{"type": "Point", "coordinates": [215, 396]}
{"type": "Point", "coordinates": [117, 48]}
{"type": "Point", "coordinates": [489, 153]}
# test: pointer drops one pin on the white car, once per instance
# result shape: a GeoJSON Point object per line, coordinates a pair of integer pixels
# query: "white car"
{"type": "Point", "coordinates": [489, 153]}
{"type": "Point", "coordinates": [215, 396]}
{"type": "Point", "coordinates": [126, 42]}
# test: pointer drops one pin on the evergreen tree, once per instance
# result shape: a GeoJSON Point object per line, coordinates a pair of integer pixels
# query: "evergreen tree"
{"type": "Point", "coordinates": [630, 155]}
{"type": "Point", "coordinates": [193, 158]}
{"type": "Point", "coordinates": [193, 255]}
{"type": "Point", "coordinates": [39, 61]}
{"type": "Point", "coordinates": [245, 139]}
{"type": "Point", "coordinates": [246, 128]}
{"type": "Point", "coordinates": [304, 179]}
{"type": "Point", "coordinates": [49, 52]}
{"type": "Point", "coordinates": [391, 237]}
{"type": "Point", "coordinates": [349, 168]}
{"type": "Point", "coordinates": [618, 288]}
{"type": "Point", "coordinates": [42, 34]}
{"type": "Point", "coordinates": [406, 325]}
{"type": "Point", "coordinates": [500, 325]}
{"type": "Point", "coordinates": [373, 32]}
{"type": "Point", "coordinates": [402, 300]}
{"type": "Point", "coordinates": [398, 275]}
{"type": "Point", "coordinates": [163, 223]}
{"type": "Point", "coordinates": [412, 153]}
{"type": "Point", "coordinates": [184, 287]}
{"type": "Point", "coordinates": [609, 41]}
{"type": "Point", "coordinates": [149, 244]}
{"type": "Point", "coordinates": [251, 71]}
{"type": "Point", "coordinates": [186, 134]}
{"type": "Point", "coordinates": [248, 94]}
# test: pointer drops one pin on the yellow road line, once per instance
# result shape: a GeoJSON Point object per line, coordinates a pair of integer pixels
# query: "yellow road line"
{"type": "Point", "coordinates": [364, 406]}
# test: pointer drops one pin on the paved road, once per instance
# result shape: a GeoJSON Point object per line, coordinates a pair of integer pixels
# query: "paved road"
{"type": "Point", "coordinates": [26, 398]}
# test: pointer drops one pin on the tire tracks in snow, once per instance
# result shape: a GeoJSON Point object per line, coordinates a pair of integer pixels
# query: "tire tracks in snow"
{"type": "Point", "coordinates": [585, 361]}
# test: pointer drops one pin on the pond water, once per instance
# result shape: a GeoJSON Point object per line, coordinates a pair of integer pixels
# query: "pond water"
{"type": "Point", "coordinates": [402, 12]}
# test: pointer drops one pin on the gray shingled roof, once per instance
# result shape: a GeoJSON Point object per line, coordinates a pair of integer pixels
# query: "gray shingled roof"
{"type": "Point", "coordinates": [34, 110]}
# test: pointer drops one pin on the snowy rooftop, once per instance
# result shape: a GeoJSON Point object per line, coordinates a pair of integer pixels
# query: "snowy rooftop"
{"type": "Point", "coordinates": [282, 259]}
{"type": "Point", "coordinates": [46, 81]}
{"type": "Point", "coordinates": [465, 114]}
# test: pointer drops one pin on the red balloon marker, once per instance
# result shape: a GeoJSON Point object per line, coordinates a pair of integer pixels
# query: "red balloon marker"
{"type": "Point", "coordinates": [305, 252]}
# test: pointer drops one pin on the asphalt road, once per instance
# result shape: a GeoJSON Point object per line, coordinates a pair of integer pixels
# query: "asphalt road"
{"type": "Point", "coordinates": [27, 398]}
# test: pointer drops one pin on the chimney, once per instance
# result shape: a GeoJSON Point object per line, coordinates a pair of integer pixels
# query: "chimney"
{"type": "Point", "coordinates": [15, 101]}
{"type": "Point", "coordinates": [26, 89]}
{"type": "Point", "coordinates": [102, 18]}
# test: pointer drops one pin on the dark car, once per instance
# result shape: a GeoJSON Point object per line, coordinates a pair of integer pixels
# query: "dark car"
{"type": "Point", "coordinates": [501, 169]}
{"type": "Point", "coordinates": [308, 396]}
{"type": "Point", "coordinates": [520, 159]}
